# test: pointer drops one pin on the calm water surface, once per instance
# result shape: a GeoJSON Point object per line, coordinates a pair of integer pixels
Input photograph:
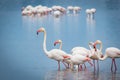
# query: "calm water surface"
{"type": "Point", "coordinates": [22, 56]}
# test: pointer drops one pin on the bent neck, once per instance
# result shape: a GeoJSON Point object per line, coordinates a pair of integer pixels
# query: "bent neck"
{"type": "Point", "coordinates": [44, 43]}
{"type": "Point", "coordinates": [100, 46]}
{"type": "Point", "coordinates": [60, 46]}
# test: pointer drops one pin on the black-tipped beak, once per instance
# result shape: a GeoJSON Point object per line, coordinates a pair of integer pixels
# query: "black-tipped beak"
{"type": "Point", "coordinates": [37, 33]}
{"type": "Point", "coordinates": [54, 44]}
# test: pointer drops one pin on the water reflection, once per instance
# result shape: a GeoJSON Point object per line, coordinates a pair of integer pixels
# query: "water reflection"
{"type": "Point", "coordinates": [57, 25]}
{"type": "Point", "coordinates": [81, 75]}
{"type": "Point", "coordinates": [90, 22]}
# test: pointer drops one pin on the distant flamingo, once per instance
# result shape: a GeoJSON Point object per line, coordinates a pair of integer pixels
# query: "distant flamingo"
{"type": "Point", "coordinates": [55, 54]}
{"type": "Point", "coordinates": [76, 9]}
{"type": "Point", "coordinates": [70, 9]}
{"type": "Point", "coordinates": [93, 11]}
{"type": "Point", "coordinates": [57, 13]}
{"type": "Point", "coordinates": [112, 53]}
{"type": "Point", "coordinates": [90, 13]}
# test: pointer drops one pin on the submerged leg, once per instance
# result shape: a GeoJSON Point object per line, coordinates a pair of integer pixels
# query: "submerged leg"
{"type": "Point", "coordinates": [112, 66]}
{"type": "Point", "coordinates": [115, 65]}
{"type": "Point", "coordinates": [94, 65]}
{"type": "Point", "coordinates": [84, 66]}
{"type": "Point", "coordinates": [65, 65]}
{"type": "Point", "coordinates": [97, 65]}
{"type": "Point", "coordinates": [58, 65]}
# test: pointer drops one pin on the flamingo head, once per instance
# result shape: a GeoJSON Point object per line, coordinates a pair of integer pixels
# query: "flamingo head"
{"type": "Point", "coordinates": [57, 41]}
{"type": "Point", "coordinates": [40, 30]}
{"type": "Point", "coordinates": [96, 42]}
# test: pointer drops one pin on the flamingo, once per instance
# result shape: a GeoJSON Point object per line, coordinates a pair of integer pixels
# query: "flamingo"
{"type": "Point", "coordinates": [55, 54]}
{"type": "Point", "coordinates": [90, 13]}
{"type": "Point", "coordinates": [111, 52]}
{"type": "Point", "coordinates": [93, 11]}
{"type": "Point", "coordinates": [70, 9]}
{"type": "Point", "coordinates": [67, 60]}
{"type": "Point", "coordinates": [76, 50]}
{"type": "Point", "coordinates": [57, 13]}
{"type": "Point", "coordinates": [76, 9]}
{"type": "Point", "coordinates": [95, 53]}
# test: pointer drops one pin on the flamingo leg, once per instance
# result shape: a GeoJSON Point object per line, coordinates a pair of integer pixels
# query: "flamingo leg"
{"type": "Point", "coordinates": [85, 66]}
{"type": "Point", "coordinates": [115, 65]}
{"type": "Point", "coordinates": [58, 65]}
{"type": "Point", "coordinates": [78, 67]}
{"type": "Point", "coordinates": [65, 65]}
{"type": "Point", "coordinates": [81, 67]}
{"type": "Point", "coordinates": [68, 65]}
{"type": "Point", "coordinates": [98, 65]}
{"type": "Point", "coordinates": [90, 63]}
{"type": "Point", "coordinates": [112, 66]}
{"type": "Point", "coordinates": [94, 65]}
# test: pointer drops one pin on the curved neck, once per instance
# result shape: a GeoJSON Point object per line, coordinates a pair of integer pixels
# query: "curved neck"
{"type": "Point", "coordinates": [60, 46]}
{"type": "Point", "coordinates": [101, 47]}
{"type": "Point", "coordinates": [44, 43]}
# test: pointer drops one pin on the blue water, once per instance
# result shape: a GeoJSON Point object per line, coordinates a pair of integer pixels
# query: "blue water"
{"type": "Point", "coordinates": [21, 53]}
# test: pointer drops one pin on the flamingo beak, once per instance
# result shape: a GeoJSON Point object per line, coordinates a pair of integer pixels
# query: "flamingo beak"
{"type": "Point", "coordinates": [56, 43]}
{"type": "Point", "coordinates": [39, 31]}
{"type": "Point", "coordinates": [66, 57]}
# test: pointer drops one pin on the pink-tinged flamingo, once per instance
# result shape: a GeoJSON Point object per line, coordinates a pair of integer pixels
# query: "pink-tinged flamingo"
{"type": "Point", "coordinates": [112, 53]}
{"type": "Point", "coordinates": [55, 54]}
{"type": "Point", "coordinates": [95, 53]}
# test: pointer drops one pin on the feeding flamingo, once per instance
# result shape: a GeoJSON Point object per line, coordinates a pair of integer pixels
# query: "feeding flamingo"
{"type": "Point", "coordinates": [112, 53]}
{"type": "Point", "coordinates": [55, 54]}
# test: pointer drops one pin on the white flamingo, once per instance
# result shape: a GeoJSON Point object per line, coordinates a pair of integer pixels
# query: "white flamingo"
{"type": "Point", "coordinates": [112, 53]}
{"type": "Point", "coordinates": [93, 11]}
{"type": "Point", "coordinates": [76, 9]}
{"type": "Point", "coordinates": [70, 9]}
{"type": "Point", "coordinates": [55, 54]}
{"type": "Point", "coordinates": [57, 13]}
{"type": "Point", "coordinates": [90, 13]}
